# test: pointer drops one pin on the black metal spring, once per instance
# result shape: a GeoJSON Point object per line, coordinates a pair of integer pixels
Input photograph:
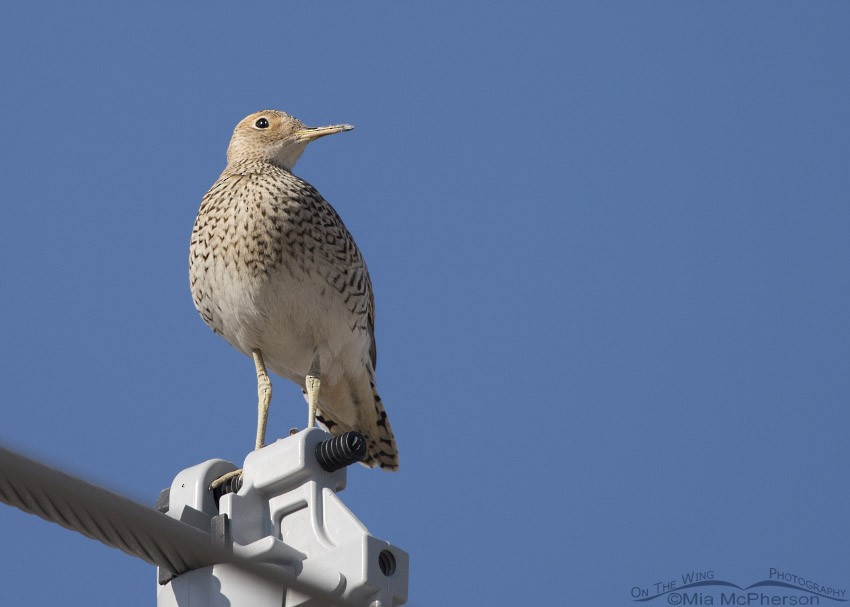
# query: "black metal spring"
{"type": "Point", "coordinates": [341, 451]}
{"type": "Point", "coordinates": [231, 485]}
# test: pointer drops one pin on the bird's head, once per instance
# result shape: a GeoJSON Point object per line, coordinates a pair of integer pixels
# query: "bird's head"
{"type": "Point", "coordinates": [275, 136]}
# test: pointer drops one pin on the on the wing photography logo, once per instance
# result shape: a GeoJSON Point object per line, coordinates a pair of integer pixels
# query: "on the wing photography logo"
{"type": "Point", "coordinates": [705, 588]}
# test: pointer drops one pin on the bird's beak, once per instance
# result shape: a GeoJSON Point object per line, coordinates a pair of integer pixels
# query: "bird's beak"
{"type": "Point", "coordinates": [311, 133]}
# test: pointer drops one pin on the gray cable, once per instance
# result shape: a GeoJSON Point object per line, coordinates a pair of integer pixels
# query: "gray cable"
{"type": "Point", "coordinates": [122, 523]}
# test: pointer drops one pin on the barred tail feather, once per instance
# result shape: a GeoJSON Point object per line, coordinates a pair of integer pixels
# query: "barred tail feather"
{"type": "Point", "coordinates": [381, 447]}
{"type": "Point", "coordinates": [372, 423]}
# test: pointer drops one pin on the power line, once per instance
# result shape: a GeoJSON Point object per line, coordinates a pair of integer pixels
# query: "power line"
{"type": "Point", "coordinates": [122, 523]}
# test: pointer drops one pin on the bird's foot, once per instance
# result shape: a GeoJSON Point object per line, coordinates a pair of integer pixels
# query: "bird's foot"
{"type": "Point", "coordinates": [226, 478]}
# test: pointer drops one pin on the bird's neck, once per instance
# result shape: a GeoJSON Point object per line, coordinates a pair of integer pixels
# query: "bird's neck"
{"type": "Point", "coordinates": [248, 166]}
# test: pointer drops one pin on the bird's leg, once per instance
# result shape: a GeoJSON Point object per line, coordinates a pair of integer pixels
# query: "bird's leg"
{"type": "Point", "coordinates": [313, 382]}
{"type": "Point", "coordinates": [264, 393]}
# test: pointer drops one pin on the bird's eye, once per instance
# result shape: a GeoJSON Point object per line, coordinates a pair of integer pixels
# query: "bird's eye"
{"type": "Point", "coordinates": [262, 123]}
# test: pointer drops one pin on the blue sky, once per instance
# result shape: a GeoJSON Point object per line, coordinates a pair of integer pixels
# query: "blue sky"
{"type": "Point", "coordinates": [609, 244]}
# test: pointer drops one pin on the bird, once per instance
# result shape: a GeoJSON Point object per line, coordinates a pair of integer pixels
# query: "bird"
{"type": "Point", "coordinates": [275, 272]}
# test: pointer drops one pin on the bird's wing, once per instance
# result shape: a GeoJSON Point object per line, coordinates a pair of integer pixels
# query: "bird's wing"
{"type": "Point", "coordinates": [373, 348]}
{"type": "Point", "coordinates": [349, 274]}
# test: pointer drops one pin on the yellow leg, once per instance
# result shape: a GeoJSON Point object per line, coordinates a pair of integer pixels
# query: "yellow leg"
{"type": "Point", "coordinates": [264, 394]}
{"type": "Point", "coordinates": [313, 383]}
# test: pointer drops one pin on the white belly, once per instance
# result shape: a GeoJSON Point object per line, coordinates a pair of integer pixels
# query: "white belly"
{"type": "Point", "coordinates": [290, 319]}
